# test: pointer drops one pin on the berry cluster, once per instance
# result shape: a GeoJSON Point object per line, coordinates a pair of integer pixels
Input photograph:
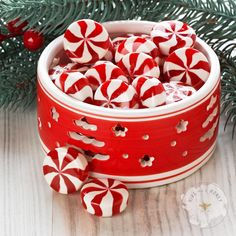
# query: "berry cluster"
{"type": "Point", "coordinates": [130, 71]}
{"type": "Point", "coordinates": [32, 39]}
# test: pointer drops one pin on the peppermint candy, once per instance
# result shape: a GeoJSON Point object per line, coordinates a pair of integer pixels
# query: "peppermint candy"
{"type": "Point", "coordinates": [187, 65]}
{"type": "Point", "coordinates": [57, 70]}
{"type": "Point", "coordinates": [76, 85]}
{"type": "Point", "coordinates": [104, 197]}
{"type": "Point", "coordinates": [86, 41]}
{"type": "Point", "coordinates": [118, 40]}
{"type": "Point", "coordinates": [137, 44]}
{"type": "Point", "coordinates": [134, 64]}
{"type": "Point", "coordinates": [176, 91]}
{"type": "Point", "coordinates": [110, 53]}
{"type": "Point", "coordinates": [139, 35]}
{"type": "Point", "coordinates": [103, 71]}
{"type": "Point", "coordinates": [150, 91]}
{"type": "Point", "coordinates": [116, 94]}
{"type": "Point", "coordinates": [171, 35]}
{"type": "Point", "coordinates": [65, 169]}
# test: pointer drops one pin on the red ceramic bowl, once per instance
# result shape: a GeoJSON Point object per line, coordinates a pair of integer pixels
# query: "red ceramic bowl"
{"type": "Point", "coordinates": [143, 147]}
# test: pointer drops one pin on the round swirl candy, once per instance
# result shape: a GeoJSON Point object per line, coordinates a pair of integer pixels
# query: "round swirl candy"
{"type": "Point", "coordinates": [86, 41]}
{"type": "Point", "coordinates": [118, 40]}
{"type": "Point", "coordinates": [134, 64]}
{"type": "Point", "coordinates": [150, 91]}
{"type": "Point", "coordinates": [116, 94]}
{"type": "Point", "coordinates": [137, 44]}
{"type": "Point", "coordinates": [171, 35]}
{"type": "Point", "coordinates": [104, 197]}
{"type": "Point", "coordinates": [65, 169]}
{"type": "Point", "coordinates": [103, 71]}
{"type": "Point", "coordinates": [57, 70]}
{"type": "Point", "coordinates": [176, 91]}
{"type": "Point", "coordinates": [187, 65]}
{"type": "Point", "coordinates": [147, 36]}
{"type": "Point", "coordinates": [76, 85]}
{"type": "Point", "coordinates": [109, 56]}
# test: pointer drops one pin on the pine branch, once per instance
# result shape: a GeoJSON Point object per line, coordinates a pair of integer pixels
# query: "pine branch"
{"type": "Point", "coordinates": [17, 77]}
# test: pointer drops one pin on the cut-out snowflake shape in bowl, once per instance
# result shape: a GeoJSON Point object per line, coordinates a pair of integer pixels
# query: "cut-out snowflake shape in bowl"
{"type": "Point", "coordinates": [119, 130]}
{"type": "Point", "coordinates": [39, 123]}
{"type": "Point", "coordinates": [181, 126]}
{"type": "Point", "coordinates": [55, 114]}
{"type": "Point", "coordinates": [146, 160]}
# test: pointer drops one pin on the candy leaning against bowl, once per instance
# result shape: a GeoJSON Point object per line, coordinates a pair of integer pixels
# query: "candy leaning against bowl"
{"type": "Point", "coordinates": [143, 148]}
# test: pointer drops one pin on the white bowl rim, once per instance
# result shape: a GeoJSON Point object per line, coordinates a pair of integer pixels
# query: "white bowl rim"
{"type": "Point", "coordinates": [130, 26]}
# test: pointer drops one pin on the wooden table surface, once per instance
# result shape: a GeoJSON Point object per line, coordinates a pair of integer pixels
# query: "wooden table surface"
{"type": "Point", "coordinates": [28, 207]}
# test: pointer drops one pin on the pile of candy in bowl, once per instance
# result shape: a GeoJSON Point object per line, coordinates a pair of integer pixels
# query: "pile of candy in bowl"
{"type": "Point", "coordinates": [130, 71]}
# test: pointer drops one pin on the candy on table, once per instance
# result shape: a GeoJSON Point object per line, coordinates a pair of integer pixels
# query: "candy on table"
{"type": "Point", "coordinates": [187, 65]}
{"type": "Point", "coordinates": [137, 44]}
{"type": "Point", "coordinates": [116, 94]}
{"type": "Point", "coordinates": [150, 91]}
{"type": "Point", "coordinates": [76, 85]}
{"type": "Point", "coordinates": [86, 41]}
{"type": "Point", "coordinates": [57, 70]}
{"type": "Point", "coordinates": [103, 71]}
{"type": "Point", "coordinates": [176, 91]}
{"type": "Point", "coordinates": [134, 64]}
{"type": "Point", "coordinates": [171, 35]}
{"type": "Point", "coordinates": [65, 169]}
{"type": "Point", "coordinates": [104, 197]}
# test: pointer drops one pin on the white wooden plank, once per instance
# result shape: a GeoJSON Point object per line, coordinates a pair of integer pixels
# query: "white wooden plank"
{"type": "Point", "coordinates": [29, 207]}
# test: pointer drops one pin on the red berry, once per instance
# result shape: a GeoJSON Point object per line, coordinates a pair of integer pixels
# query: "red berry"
{"type": "Point", "coordinates": [14, 28]}
{"type": "Point", "coordinates": [33, 40]}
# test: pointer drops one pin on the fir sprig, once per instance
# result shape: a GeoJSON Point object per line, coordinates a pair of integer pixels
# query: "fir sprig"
{"type": "Point", "coordinates": [213, 20]}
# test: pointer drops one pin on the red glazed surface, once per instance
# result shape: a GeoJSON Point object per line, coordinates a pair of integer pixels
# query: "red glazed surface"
{"type": "Point", "coordinates": [146, 147]}
{"type": "Point", "coordinates": [160, 134]}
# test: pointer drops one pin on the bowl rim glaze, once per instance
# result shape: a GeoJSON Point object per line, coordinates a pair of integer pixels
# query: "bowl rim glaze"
{"type": "Point", "coordinates": [127, 26]}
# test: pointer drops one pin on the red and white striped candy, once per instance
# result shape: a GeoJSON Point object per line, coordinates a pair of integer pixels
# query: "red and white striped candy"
{"type": "Point", "coordinates": [116, 94]}
{"type": "Point", "coordinates": [187, 65]}
{"type": "Point", "coordinates": [150, 91]}
{"type": "Point", "coordinates": [104, 197]}
{"type": "Point", "coordinates": [118, 40]}
{"type": "Point", "coordinates": [65, 169]}
{"type": "Point", "coordinates": [147, 36]}
{"type": "Point", "coordinates": [86, 41]}
{"type": "Point", "coordinates": [171, 35]}
{"type": "Point", "coordinates": [176, 91]}
{"type": "Point", "coordinates": [56, 71]}
{"type": "Point", "coordinates": [102, 72]}
{"type": "Point", "coordinates": [110, 53]}
{"type": "Point", "coordinates": [137, 44]}
{"type": "Point", "coordinates": [76, 85]}
{"type": "Point", "coordinates": [134, 64]}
